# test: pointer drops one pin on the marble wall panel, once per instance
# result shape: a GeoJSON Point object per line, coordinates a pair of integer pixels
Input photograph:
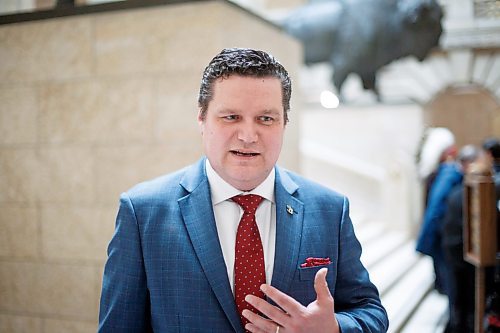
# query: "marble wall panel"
{"type": "Point", "coordinates": [120, 168]}
{"type": "Point", "coordinates": [73, 326]}
{"type": "Point", "coordinates": [69, 291]}
{"type": "Point", "coordinates": [97, 111]}
{"type": "Point", "coordinates": [20, 324]}
{"type": "Point", "coordinates": [65, 175]}
{"type": "Point", "coordinates": [61, 290]}
{"type": "Point", "coordinates": [177, 108]}
{"type": "Point", "coordinates": [107, 219]}
{"type": "Point", "coordinates": [150, 40]}
{"type": "Point", "coordinates": [70, 232]}
{"type": "Point", "coordinates": [18, 114]}
{"type": "Point", "coordinates": [127, 44]}
{"type": "Point", "coordinates": [57, 49]}
{"type": "Point", "coordinates": [198, 46]}
{"type": "Point", "coordinates": [18, 287]}
{"type": "Point", "coordinates": [19, 169]}
{"type": "Point", "coordinates": [19, 236]}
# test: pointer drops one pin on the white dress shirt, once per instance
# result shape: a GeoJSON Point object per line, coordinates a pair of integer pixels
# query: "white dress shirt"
{"type": "Point", "coordinates": [228, 214]}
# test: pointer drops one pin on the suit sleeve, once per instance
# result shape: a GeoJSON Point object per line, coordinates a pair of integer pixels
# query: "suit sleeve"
{"type": "Point", "coordinates": [124, 305]}
{"type": "Point", "coordinates": [357, 303]}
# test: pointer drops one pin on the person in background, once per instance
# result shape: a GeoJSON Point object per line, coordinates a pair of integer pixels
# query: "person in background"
{"type": "Point", "coordinates": [431, 153]}
{"type": "Point", "coordinates": [440, 172]}
{"type": "Point", "coordinates": [234, 242]}
{"type": "Point", "coordinates": [461, 273]}
{"type": "Point", "coordinates": [491, 147]}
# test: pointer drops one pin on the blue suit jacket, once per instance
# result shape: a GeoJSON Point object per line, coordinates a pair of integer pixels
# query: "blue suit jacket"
{"type": "Point", "coordinates": [165, 270]}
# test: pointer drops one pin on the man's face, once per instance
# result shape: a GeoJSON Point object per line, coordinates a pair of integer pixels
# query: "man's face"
{"type": "Point", "coordinates": [243, 129]}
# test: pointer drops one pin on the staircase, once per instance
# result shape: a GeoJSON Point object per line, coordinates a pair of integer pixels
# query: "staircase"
{"type": "Point", "coordinates": [403, 277]}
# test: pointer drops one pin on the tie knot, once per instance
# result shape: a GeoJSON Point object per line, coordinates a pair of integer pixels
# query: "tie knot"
{"type": "Point", "coordinates": [248, 202]}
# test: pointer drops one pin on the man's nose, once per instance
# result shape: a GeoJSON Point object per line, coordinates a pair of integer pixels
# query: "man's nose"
{"type": "Point", "coordinates": [247, 133]}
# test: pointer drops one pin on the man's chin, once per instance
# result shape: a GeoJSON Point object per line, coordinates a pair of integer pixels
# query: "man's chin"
{"type": "Point", "coordinates": [243, 180]}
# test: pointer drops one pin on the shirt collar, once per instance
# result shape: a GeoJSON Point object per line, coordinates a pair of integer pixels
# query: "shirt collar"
{"type": "Point", "coordinates": [222, 190]}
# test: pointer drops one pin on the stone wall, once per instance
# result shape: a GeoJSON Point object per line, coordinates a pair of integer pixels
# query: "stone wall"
{"type": "Point", "coordinates": [89, 106]}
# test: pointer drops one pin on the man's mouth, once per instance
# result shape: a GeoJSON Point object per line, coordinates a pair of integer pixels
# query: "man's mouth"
{"type": "Point", "coordinates": [243, 154]}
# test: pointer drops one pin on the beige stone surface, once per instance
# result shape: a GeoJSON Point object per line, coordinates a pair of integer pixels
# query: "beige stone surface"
{"type": "Point", "coordinates": [73, 326]}
{"type": "Point", "coordinates": [107, 218]}
{"type": "Point", "coordinates": [127, 44]}
{"type": "Point", "coordinates": [119, 168]}
{"type": "Point", "coordinates": [172, 38]}
{"type": "Point", "coordinates": [18, 174]}
{"type": "Point", "coordinates": [51, 49]}
{"type": "Point", "coordinates": [18, 287]}
{"type": "Point", "coordinates": [97, 111]}
{"type": "Point", "coordinates": [19, 236]}
{"type": "Point", "coordinates": [65, 174]}
{"type": "Point", "coordinates": [65, 290]}
{"type": "Point", "coordinates": [73, 232]}
{"type": "Point", "coordinates": [69, 290]}
{"type": "Point", "coordinates": [18, 114]}
{"type": "Point", "coordinates": [55, 174]}
{"type": "Point", "coordinates": [20, 324]}
{"type": "Point", "coordinates": [177, 109]}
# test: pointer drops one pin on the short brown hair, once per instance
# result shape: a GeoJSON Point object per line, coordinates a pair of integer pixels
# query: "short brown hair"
{"type": "Point", "coordinates": [243, 62]}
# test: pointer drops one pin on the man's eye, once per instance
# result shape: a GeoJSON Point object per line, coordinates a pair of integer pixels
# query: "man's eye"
{"type": "Point", "coordinates": [266, 119]}
{"type": "Point", "coordinates": [230, 117]}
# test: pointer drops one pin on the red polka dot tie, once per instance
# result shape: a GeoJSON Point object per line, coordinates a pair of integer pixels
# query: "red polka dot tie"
{"type": "Point", "coordinates": [249, 270]}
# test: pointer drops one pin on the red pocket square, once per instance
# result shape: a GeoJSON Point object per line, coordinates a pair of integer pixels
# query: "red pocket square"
{"type": "Point", "coordinates": [314, 262]}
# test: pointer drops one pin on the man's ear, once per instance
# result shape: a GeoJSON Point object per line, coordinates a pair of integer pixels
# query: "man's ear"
{"type": "Point", "coordinates": [200, 121]}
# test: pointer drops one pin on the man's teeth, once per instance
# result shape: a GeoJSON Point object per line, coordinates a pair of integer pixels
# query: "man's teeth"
{"type": "Point", "coordinates": [239, 153]}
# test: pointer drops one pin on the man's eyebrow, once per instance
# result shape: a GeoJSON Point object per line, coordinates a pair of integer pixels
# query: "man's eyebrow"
{"type": "Point", "coordinates": [227, 111]}
{"type": "Point", "coordinates": [265, 111]}
{"type": "Point", "coordinates": [271, 111]}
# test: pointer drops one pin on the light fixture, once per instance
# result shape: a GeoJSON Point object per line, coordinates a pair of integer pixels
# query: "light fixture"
{"type": "Point", "coordinates": [329, 100]}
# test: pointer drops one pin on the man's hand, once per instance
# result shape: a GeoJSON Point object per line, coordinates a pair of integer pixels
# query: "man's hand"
{"type": "Point", "coordinates": [293, 317]}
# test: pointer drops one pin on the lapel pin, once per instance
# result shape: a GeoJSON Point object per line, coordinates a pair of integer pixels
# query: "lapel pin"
{"type": "Point", "coordinates": [289, 209]}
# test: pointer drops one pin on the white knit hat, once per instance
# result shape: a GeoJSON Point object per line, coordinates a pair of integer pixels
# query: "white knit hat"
{"type": "Point", "coordinates": [436, 141]}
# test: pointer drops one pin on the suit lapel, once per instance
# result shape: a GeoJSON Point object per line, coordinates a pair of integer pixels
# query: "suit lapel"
{"type": "Point", "coordinates": [196, 209]}
{"type": "Point", "coordinates": [289, 220]}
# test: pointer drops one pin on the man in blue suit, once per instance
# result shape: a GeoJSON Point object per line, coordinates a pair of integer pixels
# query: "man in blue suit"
{"type": "Point", "coordinates": [171, 262]}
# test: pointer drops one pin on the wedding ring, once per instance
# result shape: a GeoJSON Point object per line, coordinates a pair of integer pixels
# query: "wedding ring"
{"type": "Point", "coordinates": [277, 328]}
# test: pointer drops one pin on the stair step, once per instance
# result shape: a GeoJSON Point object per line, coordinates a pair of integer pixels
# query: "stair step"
{"type": "Point", "coordinates": [431, 315]}
{"type": "Point", "coordinates": [405, 297]}
{"type": "Point", "coordinates": [378, 248]}
{"type": "Point", "coordinates": [386, 273]}
{"type": "Point", "coordinates": [368, 231]}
